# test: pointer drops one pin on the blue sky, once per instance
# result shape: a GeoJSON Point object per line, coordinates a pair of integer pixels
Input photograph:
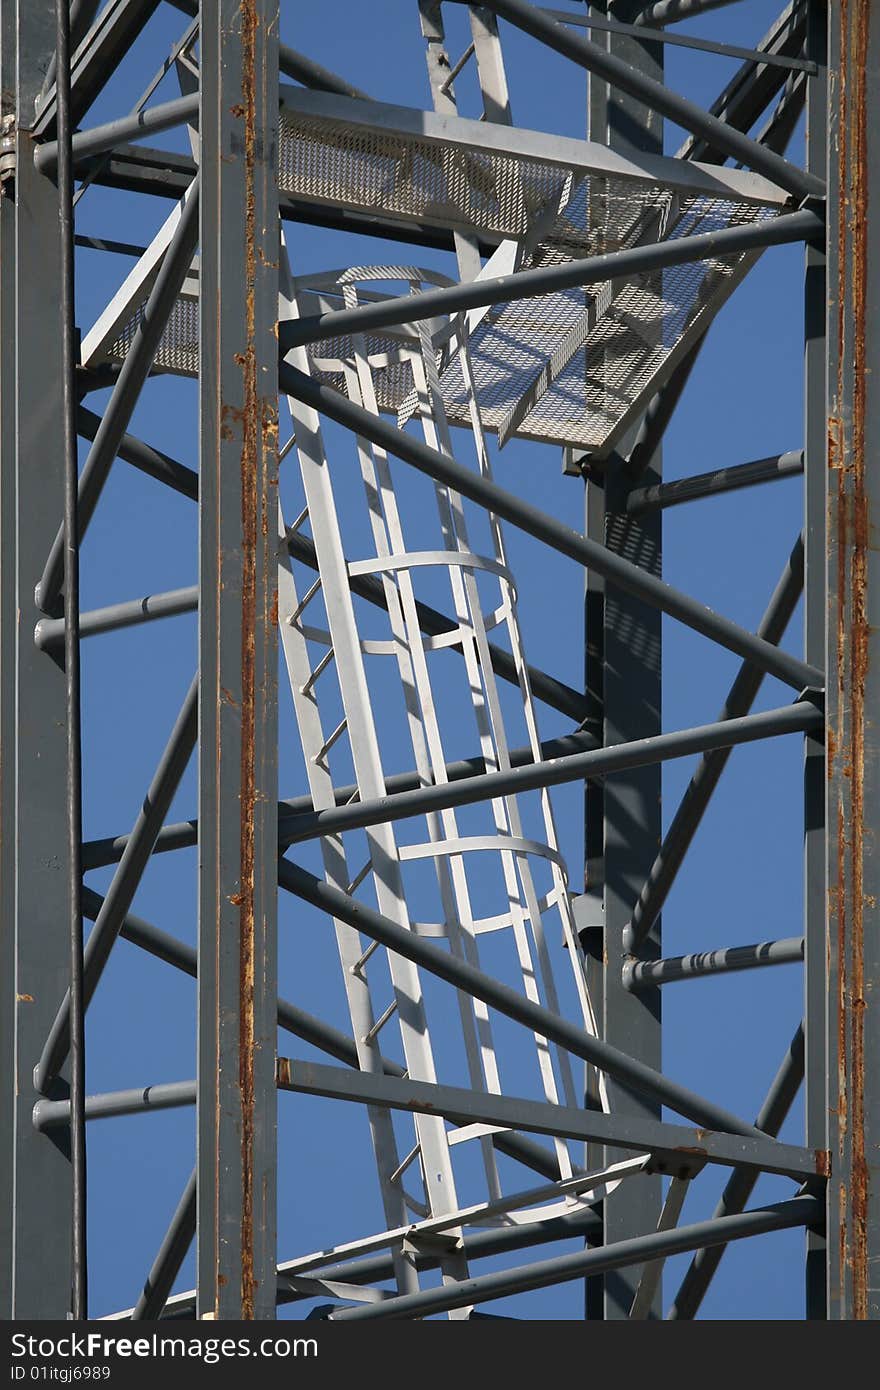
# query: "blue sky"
{"type": "Point", "coordinates": [743, 879]}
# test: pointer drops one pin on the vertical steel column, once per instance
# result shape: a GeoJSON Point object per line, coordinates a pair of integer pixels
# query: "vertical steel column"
{"type": "Point", "coordinates": [815, 470]}
{"type": "Point", "coordinates": [631, 696]}
{"type": "Point", "coordinates": [853, 662]}
{"type": "Point", "coordinates": [238, 835]}
{"type": "Point", "coordinates": [41, 1192]}
{"type": "Point", "coordinates": [7, 650]}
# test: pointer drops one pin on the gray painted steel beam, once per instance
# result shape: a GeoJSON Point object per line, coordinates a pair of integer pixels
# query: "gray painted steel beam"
{"type": "Point", "coordinates": [574, 767]}
{"type": "Point", "coordinates": [41, 1190]}
{"type": "Point", "coordinates": [525, 284]}
{"type": "Point", "coordinates": [816, 980]}
{"type": "Point", "coordinates": [672, 1146]}
{"type": "Point", "coordinates": [170, 1095]}
{"type": "Point", "coordinates": [238, 606]}
{"type": "Point", "coordinates": [853, 657]}
{"type": "Point", "coordinates": [506, 1000]}
{"type": "Point", "coordinates": [99, 139]}
{"type": "Point", "coordinates": [799, 1211]}
{"type": "Point", "coordinates": [118, 26]}
{"type": "Point", "coordinates": [527, 518]}
{"type": "Point", "coordinates": [97, 853]}
{"type": "Point", "coordinates": [720, 480]}
{"type": "Point", "coordinates": [638, 975]}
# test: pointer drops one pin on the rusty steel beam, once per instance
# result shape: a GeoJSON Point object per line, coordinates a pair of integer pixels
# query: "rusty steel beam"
{"type": "Point", "coordinates": [853, 654]}
{"type": "Point", "coordinates": [238, 824]}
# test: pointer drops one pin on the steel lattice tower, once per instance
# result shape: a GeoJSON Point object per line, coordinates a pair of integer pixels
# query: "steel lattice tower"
{"type": "Point", "coordinates": [364, 564]}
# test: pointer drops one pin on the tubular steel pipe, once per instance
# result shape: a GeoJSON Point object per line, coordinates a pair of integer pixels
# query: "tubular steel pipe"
{"type": "Point", "coordinates": [70, 563]}
{"type": "Point", "coordinates": [373, 1269]}
{"type": "Point", "coordinates": [171, 1255]}
{"type": "Point", "coordinates": [50, 631]}
{"type": "Point", "coordinates": [644, 974]}
{"type": "Point", "coordinates": [184, 834]}
{"type": "Point", "coordinates": [692, 806]}
{"type": "Point", "coordinates": [599, 762]}
{"type": "Point", "coordinates": [101, 138]}
{"type": "Point", "coordinates": [144, 457]}
{"type": "Point", "coordinates": [311, 1030]}
{"type": "Point", "coordinates": [741, 1183]}
{"type": "Point", "coordinates": [526, 284]}
{"type": "Point", "coordinates": [172, 1095]}
{"type": "Point", "coordinates": [768, 470]}
{"type": "Point", "coordinates": [126, 879]}
{"type": "Point", "coordinates": [687, 114]}
{"type": "Point", "coordinates": [617, 570]}
{"type": "Point", "coordinates": [547, 1024]}
{"type": "Point", "coordinates": [781, 1216]}
{"type": "Point", "coordinates": [135, 370]}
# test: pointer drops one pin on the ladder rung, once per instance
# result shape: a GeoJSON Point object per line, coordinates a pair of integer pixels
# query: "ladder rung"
{"type": "Point", "coordinates": [359, 964]}
{"type": "Point", "coordinates": [399, 1171]}
{"type": "Point", "coordinates": [304, 602]}
{"type": "Point", "coordinates": [380, 1022]}
{"type": "Point", "coordinates": [321, 667]}
{"type": "Point", "coordinates": [337, 732]}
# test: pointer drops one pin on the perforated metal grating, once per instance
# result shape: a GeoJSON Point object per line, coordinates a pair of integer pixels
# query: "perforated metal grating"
{"type": "Point", "coordinates": [574, 367]}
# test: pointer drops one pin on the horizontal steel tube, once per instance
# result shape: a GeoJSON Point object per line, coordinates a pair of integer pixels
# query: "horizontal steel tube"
{"type": "Point", "coordinates": [120, 894]}
{"type": "Point", "coordinates": [692, 806]}
{"type": "Point", "coordinates": [144, 457]}
{"type": "Point", "coordinates": [624, 77]}
{"type": "Point", "coordinates": [376, 1268]}
{"type": "Point", "coordinates": [51, 1114]}
{"type": "Point", "coordinates": [172, 1253]}
{"type": "Point", "coordinates": [674, 1148]}
{"type": "Point", "coordinates": [184, 834]}
{"type": "Point", "coordinates": [782, 1216]}
{"type": "Point", "coordinates": [507, 1001]}
{"type": "Point", "coordinates": [617, 570]}
{"type": "Point", "coordinates": [49, 632]}
{"type": "Point", "coordinates": [526, 284]}
{"type": "Point", "coordinates": [598, 762]}
{"type": "Point", "coordinates": [312, 1030]}
{"type": "Point", "coordinates": [102, 138]}
{"type": "Point", "coordinates": [126, 392]}
{"type": "Point", "coordinates": [640, 30]}
{"type": "Point", "coordinates": [644, 974]}
{"type": "Point", "coordinates": [741, 1184]}
{"type": "Point", "coordinates": [769, 470]}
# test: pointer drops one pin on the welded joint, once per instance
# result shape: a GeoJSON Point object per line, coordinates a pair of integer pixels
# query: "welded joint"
{"type": "Point", "coordinates": [684, 1164]}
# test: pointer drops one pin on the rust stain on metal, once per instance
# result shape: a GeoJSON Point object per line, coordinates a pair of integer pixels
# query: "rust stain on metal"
{"type": "Point", "coordinates": [283, 1071]}
{"type": "Point", "coordinates": [250, 474]}
{"type": "Point", "coordinates": [823, 1163]}
{"type": "Point", "coordinates": [847, 457]}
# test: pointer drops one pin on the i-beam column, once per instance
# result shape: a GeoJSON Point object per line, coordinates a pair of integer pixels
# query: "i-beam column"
{"type": "Point", "coordinates": [630, 648]}
{"type": "Point", "coordinates": [34, 750]}
{"type": "Point", "coordinates": [853, 636]}
{"type": "Point", "coordinates": [238, 795]}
